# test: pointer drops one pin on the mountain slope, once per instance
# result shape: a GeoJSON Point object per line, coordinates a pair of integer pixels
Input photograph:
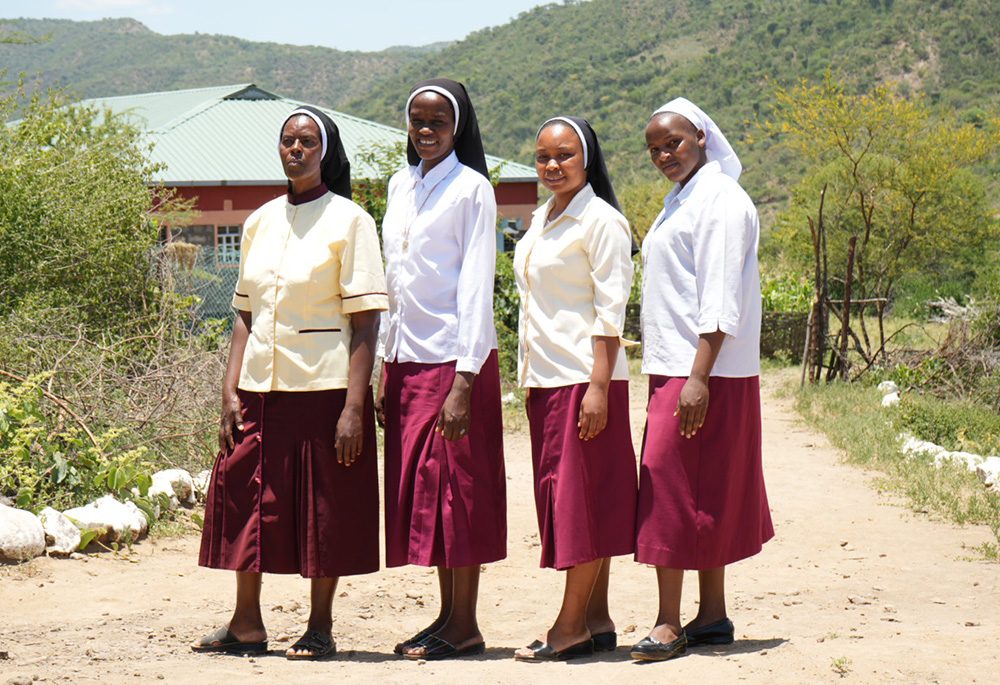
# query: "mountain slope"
{"type": "Point", "coordinates": [123, 57]}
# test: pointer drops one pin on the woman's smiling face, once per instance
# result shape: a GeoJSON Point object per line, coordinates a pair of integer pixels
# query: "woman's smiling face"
{"type": "Point", "coordinates": [675, 146]}
{"type": "Point", "coordinates": [559, 160]}
{"type": "Point", "coordinates": [432, 128]}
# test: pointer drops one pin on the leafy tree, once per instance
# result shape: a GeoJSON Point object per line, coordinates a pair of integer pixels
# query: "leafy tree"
{"type": "Point", "coordinates": [77, 219]}
{"type": "Point", "coordinates": [895, 176]}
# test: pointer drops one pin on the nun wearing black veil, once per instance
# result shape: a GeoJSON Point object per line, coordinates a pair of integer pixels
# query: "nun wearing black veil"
{"type": "Point", "coordinates": [574, 273]}
{"type": "Point", "coordinates": [439, 399]}
{"type": "Point", "coordinates": [295, 485]}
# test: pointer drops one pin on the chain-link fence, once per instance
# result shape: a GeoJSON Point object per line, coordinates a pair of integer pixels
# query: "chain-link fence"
{"type": "Point", "coordinates": [206, 275]}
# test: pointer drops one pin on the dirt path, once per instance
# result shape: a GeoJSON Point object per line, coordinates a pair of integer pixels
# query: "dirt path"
{"type": "Point", "coordinates": [852, 581]}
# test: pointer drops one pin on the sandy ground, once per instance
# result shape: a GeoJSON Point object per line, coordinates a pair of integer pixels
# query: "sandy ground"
{"type": "Point", "coordinates": [853, 586]}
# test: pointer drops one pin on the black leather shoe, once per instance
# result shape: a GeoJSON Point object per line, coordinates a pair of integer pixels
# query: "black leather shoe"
{"type": "Point", "coordinates": [651, 649]}
{"type": "Point", "coordinates": [718, 633]}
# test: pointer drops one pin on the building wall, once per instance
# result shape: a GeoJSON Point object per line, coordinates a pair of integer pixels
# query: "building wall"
{"type": "Point", "coordinates": [224, 206]}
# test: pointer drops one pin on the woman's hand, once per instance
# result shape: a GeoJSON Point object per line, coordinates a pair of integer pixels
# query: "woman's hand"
{"type": "Point", "coordinates": [232, 415]}
{"type": "Point", "coordinates": [692, 406]}
{"type": "Point", "coordinates": [455, 417]}
{"type": "Point", "coordinates": [350, 436]}
{"type": "Point", "coordinates": [593, 412]}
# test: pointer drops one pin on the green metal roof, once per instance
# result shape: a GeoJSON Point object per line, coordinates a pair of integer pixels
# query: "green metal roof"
{"type": "Point", "coordinates": [229, 134]}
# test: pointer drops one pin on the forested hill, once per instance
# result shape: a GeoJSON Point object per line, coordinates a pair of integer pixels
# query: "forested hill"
{"type": "Point", "coordinates": [614, 61]}
{"type": "Point", "coordinates": [611, 61]}
{"type": "Point", "coordinates": [123, 57]}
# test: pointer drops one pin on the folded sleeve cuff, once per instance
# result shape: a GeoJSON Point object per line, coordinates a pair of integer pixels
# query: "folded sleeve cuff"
{"type": "Point", "coordinates": [469, 365]}
{"type": "Point", "coordinates": [711, 325]}
{"type": "Point", "coordinates": [605, 329]}
{"type": "Point", "coordinates": [241, 302]}
{"type": "Point", "coordinates": [364, 302]}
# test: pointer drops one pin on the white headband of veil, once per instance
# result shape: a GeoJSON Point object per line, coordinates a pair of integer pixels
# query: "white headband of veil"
{"type": "Point", "coordinates": [717, 148]}
{"type": "Point", "coordinates": [440, 91]}
{"type": "Point", "coordinates": [322, 128]}
{"type": "Point", "coordinates": [579, 134]}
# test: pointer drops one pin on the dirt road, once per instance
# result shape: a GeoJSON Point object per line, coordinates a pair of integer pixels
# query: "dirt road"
{"type": "Point", "coordinates": [853, 586]}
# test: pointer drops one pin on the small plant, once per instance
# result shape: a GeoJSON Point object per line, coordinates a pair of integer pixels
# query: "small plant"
{"type": "Point", "coordinates": [841, 665]}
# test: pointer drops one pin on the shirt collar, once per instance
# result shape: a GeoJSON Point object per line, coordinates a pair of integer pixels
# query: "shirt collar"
{"type": "Point", "coordinates": [576, 206]}
{"type": "Point", "coordinates": [443, 168]}
{"type": "Point", "coordinates": [682, 194]}
{"type": "Point", "coordinates": [308, 196]}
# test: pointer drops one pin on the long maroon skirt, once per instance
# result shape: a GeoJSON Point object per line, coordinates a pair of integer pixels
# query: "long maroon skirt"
{"type": "Point", "coordinates": [279, 502]}
{"type": "Point", "coordinates": [445, 501]}
{"type": "Point", "coordinates": [585, 491]}
{"type": "Point", "coordinates": [702, 502]}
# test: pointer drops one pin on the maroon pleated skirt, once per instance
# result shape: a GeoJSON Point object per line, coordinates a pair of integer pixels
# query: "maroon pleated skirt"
{"type": "Point", "coordinates": [445, 501]}
{"type": "Point", "coordinates": [585, 491]}
{"type": "Point", "coordinates": [702, 502]}
{"type": "Point", "coordinates": [279, 502]}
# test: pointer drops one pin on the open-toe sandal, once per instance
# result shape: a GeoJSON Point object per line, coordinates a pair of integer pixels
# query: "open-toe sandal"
{"type": "Point", "coordinates": [223, 641]}
{"type": "Point", "coordinates": [436, 649]}
{"type": "Point", "coordinates": [316, 646]}
{"type": "Point", "coordinates": [413, 641]}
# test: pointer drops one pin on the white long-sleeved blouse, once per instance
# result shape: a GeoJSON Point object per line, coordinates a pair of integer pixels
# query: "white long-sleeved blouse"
{"type": "Point", "coordinates": [700, 275]}
{"type": "Point", "coordinates": [439, 236]}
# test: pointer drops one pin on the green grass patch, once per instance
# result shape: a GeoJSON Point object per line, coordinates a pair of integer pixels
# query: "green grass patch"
{"type": "Point", "coordinates": [870, 437]}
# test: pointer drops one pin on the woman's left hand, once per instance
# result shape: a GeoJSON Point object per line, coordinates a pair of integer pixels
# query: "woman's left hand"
{"type": "Point", "coordinates": [692, 406]}
{"type": "Point", "coordinates": [455, 417]}
{"type": "Point", "coordinates": [593, 412]}
{"type": "Point", "coordinates": [350, 436]}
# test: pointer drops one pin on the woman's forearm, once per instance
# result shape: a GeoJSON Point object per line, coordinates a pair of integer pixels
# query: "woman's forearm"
{"type": "Point", "coordinates": [362, 358]}
{"type": "Point", "coordinates": [237, 346]}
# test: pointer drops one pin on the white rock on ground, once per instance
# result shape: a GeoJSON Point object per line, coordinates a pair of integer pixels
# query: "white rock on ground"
{"type": "Point", "coordinates": [119, 520]}
{"type": "Point", "coordinates": [890, 400]}
{"type": "Point", "coordinates": [912, 446]}
{"type": "Point", "coordinates": [181, 482]}
{"type": "Point", "coordinates": [989, 473]}
{"type": "Point", "coordinates": [21, 535]}
{"type": "Point", "coordinates": [201, 483]}
{"type": "Point", "coordinates": [61, 535]}
{"type": "Point", "coordinates": [888, 387]}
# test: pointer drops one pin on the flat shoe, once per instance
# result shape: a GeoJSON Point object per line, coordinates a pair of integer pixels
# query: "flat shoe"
{"type": "Point", "coordinates": [411, 642]}
{"type": "Point", "coordinates": [317, 645]}
{"type": "Point", "coordinates": [436, 649]}
{"type": "Point", "coordinates": [719, 633]}
{"type": "Point", "coordinates": [651, 649]}
{"type": "Point", "coordinates": [225, 642]}
{"type": "Point", "coordinates": [605, 642]}
{"type": "Point", "coordinates": [543, 652]}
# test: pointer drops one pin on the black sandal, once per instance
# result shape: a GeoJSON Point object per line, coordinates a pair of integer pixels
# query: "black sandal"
{"type": "Point", "coordinates": [436, 649]}
{"type": "Point", "coordinates": [411, 642]}
{"type": "Point", "coordinates": [543, 652]}
{"type": "Point", "coordinates": [317, 645]}
{"type": "Point", "coordinates": [223, 641]}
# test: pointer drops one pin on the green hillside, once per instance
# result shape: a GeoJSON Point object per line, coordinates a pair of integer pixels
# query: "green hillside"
{"type": "Point", "coordinates": [122, 57]}
{"type": "Point", "coordinates": [614, 61]}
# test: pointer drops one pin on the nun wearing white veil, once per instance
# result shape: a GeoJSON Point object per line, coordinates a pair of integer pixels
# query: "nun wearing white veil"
{"type": "Point", "coordinates": [702, 502]}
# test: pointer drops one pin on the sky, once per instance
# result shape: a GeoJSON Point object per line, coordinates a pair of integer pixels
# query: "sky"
{"type": "Point", "coordinates": [366, 25]}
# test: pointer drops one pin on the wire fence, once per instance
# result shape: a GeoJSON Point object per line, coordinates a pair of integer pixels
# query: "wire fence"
{"type": "Point", "coordinates": [205, 275]}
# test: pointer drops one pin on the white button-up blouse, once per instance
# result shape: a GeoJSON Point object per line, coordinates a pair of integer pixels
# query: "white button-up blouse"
{"type": "Point", "coordinates": [700, 275]}
{"type": "Point", "coordinates": [304, 269]}
{"type": "Point", "coordinates": [574, 275]}
{"type": "Point", "coordinates": [439, 236]}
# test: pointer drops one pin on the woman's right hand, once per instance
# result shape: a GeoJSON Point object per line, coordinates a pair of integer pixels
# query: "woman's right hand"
{"type": "Point", "coordinates": [232, 415]}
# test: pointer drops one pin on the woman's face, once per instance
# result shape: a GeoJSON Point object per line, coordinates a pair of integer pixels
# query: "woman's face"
{"type": "Point", "coordinates": [432, 128]}
{"type": "Point", "coordinates": [676, 147]}
{"type": "Point", "coordinates": [559, 160]}
{"type": "Point", "coordinates": [301, 150]}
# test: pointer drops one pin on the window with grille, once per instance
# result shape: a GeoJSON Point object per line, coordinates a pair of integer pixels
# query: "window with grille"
{"type": "Point", "coordinates": [227, 244]}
